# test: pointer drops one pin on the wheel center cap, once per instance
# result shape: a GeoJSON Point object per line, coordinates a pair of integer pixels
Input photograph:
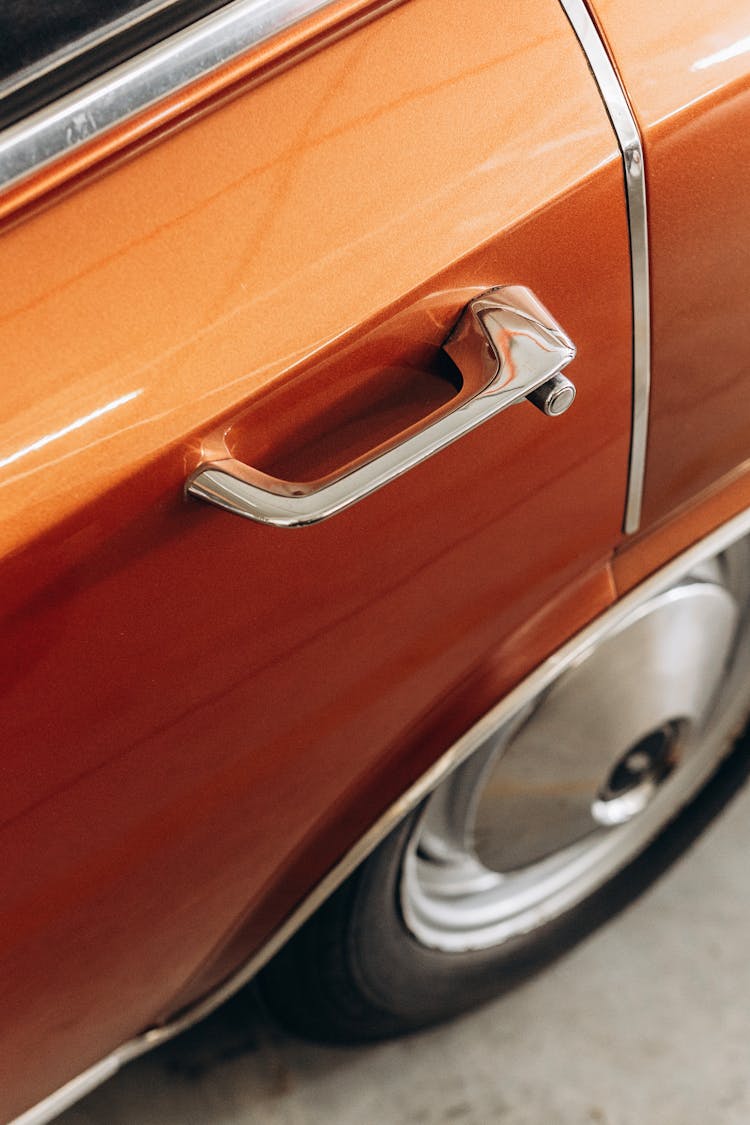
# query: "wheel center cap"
{"type": "Point", "coordinates": [602, 742]}
{"type": "Point", "coordinates": [637, 776]}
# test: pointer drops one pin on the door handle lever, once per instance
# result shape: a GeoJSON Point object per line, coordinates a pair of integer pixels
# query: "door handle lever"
{"type": "Point", "coordinates": [522, 351]}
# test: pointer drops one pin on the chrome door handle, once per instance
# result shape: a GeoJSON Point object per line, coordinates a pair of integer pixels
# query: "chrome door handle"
{"type": "Point", "coordinates": [522, 350]}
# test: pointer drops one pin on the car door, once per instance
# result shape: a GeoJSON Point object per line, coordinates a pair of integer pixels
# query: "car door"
{"type": "Point", "coordinates": [200, 712]}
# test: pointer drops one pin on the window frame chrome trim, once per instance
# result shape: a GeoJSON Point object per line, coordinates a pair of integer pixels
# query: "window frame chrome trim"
{"type": "Point", "coordinates": [78, 48]}
{"type": "Point", "coordinates": [629, 140]}
{"type": "Point", "coordinates": [136, 85]}
{"type": "Point", "coordinates": [518, 698]}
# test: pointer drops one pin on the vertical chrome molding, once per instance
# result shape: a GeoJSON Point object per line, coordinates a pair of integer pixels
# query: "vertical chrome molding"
{"type": "Point", "coordinates": [629, 139]}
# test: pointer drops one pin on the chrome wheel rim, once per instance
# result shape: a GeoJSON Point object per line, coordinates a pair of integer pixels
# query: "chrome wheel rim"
{"type": "Point", "coordinates": [573, 788]}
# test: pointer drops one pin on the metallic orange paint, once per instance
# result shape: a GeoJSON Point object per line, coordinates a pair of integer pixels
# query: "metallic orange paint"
{"type": "Point", "coordinates": [644, 554]}
{"type": "Point", "coordinates": [134, 315]}
{"type": "Point", "coordinates": [568, 610]}
{"type": "Point", "coordinates": [199, 712]}
{"type": "Point", "coordinates": [687, 72]}
{"type": "Point", "coordinates": [336, 19]}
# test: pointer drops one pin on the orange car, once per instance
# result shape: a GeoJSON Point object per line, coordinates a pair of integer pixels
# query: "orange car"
{"type": "Point", "coordinates": [463, 287]}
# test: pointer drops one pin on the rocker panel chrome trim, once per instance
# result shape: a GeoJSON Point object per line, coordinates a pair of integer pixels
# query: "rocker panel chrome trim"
{"type": "Point", "coordinates": [475, 737]}
{"type": "Point", "coordinates": [629, 139]}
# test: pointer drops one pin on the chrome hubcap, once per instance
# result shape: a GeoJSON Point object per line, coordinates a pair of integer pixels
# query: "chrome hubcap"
{"type": "Point", "coordinates": [559, 800]}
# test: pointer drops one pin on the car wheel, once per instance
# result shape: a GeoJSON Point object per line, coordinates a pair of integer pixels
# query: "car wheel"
{"type": "Point", "coordinates": [565, 814]}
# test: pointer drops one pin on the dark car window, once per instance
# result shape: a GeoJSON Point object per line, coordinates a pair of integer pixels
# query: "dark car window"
{"type": "Point", "coordinates": [47, 49]}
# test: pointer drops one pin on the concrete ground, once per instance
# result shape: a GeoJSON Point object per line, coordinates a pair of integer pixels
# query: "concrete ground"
{"type": "Point", "coordinates": [646, 1023]}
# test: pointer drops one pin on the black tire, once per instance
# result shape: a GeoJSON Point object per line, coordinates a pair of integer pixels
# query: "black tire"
{"type": "Point", "coordinates": [355, 973]}
{"type": "Point", "coordinates": [564, 813]}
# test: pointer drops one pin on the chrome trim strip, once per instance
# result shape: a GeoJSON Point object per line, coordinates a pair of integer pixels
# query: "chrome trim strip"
{"type": "Point", "coordinates": [74, 1090]}
{"type": "Point", "coordinates": [523, 694]}
{"type": "Point", "coordinates": [135, 85]}
{"type": "Point", "coordinates": [629, 139]}
{"type": "Point", "coordinates": [79, 47]}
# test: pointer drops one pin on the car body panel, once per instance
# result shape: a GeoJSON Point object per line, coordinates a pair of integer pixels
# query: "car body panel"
{"type": "Point", "coordinates": [200, 713]}
{"type": "Point", "coordinates": [641, 555]}
{"type": "Point", "coordinates": [687, 73]}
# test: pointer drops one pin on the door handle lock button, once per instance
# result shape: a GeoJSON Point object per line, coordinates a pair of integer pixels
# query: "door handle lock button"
{"type": "Point", "coordinates": [554, 397]}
